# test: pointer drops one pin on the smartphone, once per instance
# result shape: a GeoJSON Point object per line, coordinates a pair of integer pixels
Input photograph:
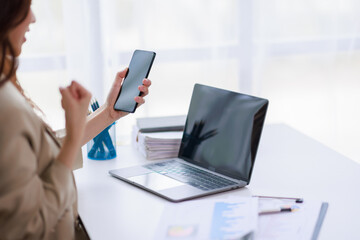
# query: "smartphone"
{"type": "Point", "coordinates": [139, 69]}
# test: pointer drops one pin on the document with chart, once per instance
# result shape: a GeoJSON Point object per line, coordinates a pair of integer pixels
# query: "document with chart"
{"type": "Point", "coordinates": [209, 219]}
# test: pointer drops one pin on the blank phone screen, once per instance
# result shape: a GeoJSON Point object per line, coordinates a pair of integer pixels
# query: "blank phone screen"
{"type": "Point", "coordinates": [139, 69]}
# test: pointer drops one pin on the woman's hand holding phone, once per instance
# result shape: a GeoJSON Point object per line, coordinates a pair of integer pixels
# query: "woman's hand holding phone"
{"type": "Point", "coordinates": [106, 114]}
{"type": "Point", "coordinates": [114, 92]}
{"type": "Point", "coordinates": [139, 69]}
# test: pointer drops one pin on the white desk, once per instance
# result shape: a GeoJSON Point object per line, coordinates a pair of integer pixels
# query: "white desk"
{"type": "Point", "coordinates": [288, 164]}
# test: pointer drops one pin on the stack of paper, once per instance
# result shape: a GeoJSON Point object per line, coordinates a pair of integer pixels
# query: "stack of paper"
{"type": "Point", "coordinates": [159, 137]}
{"type": "Point", "coordinates": [159, 145]}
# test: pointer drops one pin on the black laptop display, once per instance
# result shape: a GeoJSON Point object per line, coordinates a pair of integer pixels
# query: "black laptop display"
{"type": "Point", "coordinates": [222, 131]}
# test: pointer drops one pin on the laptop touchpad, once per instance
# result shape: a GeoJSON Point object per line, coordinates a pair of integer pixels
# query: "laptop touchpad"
{"type": "Point", "coordinates": [155, 181]}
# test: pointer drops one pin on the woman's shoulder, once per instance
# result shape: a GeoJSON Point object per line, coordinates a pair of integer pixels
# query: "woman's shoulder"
{"type": "Point", "coordinates": [14, 109]}
{"type": "Point", "coordinates": [10, 98]}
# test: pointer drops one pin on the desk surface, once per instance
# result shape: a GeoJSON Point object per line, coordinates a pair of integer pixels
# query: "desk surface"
{"type": "Point", "coordinates": [288, 164]}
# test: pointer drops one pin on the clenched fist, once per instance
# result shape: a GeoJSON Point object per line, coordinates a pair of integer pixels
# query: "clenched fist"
{"type": "Point", "coordinates": [75, 101]}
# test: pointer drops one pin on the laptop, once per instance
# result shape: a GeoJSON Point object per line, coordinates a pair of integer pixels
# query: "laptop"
{"type": "Point", "coordinates": [217, 151]}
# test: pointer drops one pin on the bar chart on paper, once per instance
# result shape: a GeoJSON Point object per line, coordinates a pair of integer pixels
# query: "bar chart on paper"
{"type": "Point", "coordinates": [228, 220]}
{"type": "Point", "coordinates": [210, 219]}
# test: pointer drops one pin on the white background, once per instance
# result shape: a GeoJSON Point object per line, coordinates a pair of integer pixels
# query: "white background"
{"type": "Point", "coordinates": [302, 55]}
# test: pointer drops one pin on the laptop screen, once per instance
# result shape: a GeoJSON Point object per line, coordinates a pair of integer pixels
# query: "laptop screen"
{"type": "Point", "coordinates": [222, 131]}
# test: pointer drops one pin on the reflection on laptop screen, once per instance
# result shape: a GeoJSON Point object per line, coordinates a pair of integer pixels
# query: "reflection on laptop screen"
{"type": "Point", "coordinates": [222, 131]}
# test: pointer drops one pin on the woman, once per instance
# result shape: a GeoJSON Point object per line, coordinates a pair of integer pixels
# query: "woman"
{"type": "Point", "coordinates": [37, 189]}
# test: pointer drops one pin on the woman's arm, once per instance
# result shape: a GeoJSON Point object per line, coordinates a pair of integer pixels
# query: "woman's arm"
{"type": "Point", "coordinates": [31, 204]}
{"type": "Point", "coordinates": [106, 115]}
{"type": "Point", "coordinates": [75, 101]}
{"type": "Point", "coordinates": [37, 189]}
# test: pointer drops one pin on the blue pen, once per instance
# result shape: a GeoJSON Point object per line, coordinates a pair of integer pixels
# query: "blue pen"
{"type": "Point", "coordinates": [96, 104]}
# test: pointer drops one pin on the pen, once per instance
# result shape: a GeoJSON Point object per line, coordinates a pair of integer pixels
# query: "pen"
{"type": "Point", "coordinates": [297, 200]}
{"type": "Point", "coordinates": [275, 210]}
{"type": "Point", "coordinates": [96, 104]}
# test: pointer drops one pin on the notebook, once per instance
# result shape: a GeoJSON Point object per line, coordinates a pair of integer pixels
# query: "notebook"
{"type": "Point", "coordinates": [217, 151]}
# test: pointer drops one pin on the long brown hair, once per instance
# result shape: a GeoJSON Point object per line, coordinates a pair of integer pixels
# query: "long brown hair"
{"type": "Point", "coordinates": [12, 13]}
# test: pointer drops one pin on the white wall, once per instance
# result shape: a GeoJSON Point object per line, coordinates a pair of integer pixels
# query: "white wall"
{"type": "Point", "coordinates": [303, 55]}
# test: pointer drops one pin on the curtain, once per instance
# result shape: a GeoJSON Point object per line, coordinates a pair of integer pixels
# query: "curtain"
{"type": "Point", "coordinates": [302, 55]}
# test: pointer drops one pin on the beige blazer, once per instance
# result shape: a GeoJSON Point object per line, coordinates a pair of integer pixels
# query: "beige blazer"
{"type": "Point", "coordinates": [37, 193]}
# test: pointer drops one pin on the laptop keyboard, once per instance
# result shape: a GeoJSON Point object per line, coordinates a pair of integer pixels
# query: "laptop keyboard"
{"type": "Point", "coordinates": [187, 174]}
